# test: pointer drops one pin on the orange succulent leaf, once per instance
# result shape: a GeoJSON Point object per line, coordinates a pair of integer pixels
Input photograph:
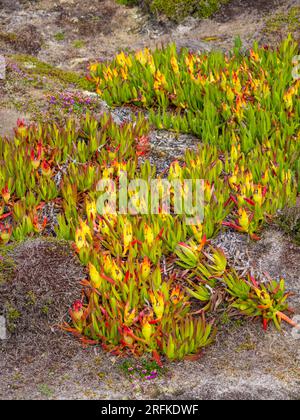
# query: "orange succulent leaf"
{"type": "Point", "coordinates": [156, 358]}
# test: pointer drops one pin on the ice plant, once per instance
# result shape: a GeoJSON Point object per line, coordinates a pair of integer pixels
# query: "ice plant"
{"type": "Point", "coordinates": [127, 235]}
{"type": "Point", "coordinates": [153, 279]}
{"type": "Point", "coordinates": [46, 169]}
{"type": "Point", "coordinates": [158, 304]}
{"type": "Point", "coordinates": [5, 194]}
{"type": "Point", "coordinates": [80, 238]}
{"type": "Point", "coordinates": [76, 313]}
{"type": "Point", "coordinates": [174, 64]}
{"type": "Point", "coordinates": [95, 276]}
{"type": "Point", "coordinates": [145, 268]}
{"type": "Point", "coordinates": [189, 255]}
{"type": "Point", "coordinates": [258, 300]}
{"type": "Point", "coordinates": [5, 234]}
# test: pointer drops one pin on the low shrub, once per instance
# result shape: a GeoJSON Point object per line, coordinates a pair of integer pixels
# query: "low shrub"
{"type": "Point", "coordinates": [177, 10]}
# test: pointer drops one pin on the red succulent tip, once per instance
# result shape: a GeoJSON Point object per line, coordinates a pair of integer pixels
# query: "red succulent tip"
{"type": "Point", "coordinates": [265, 324]}
{"type": "Point", "coordinates": [21, 123]}
{"type": "Point", "coordinates": [77, 306]}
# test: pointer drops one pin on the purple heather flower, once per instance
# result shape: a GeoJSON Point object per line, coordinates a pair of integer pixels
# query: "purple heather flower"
{"type": "Point", "coordinates": [150, 377]}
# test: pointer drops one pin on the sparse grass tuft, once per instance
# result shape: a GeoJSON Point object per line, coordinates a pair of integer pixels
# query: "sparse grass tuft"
{"type": "Point", "coordinates": [45, 390]}
{"type": "Point", "coordinates": [178, 10]}
{"type": "Point", "coordinates": [78, 43]}
{"type": "Point", "coordinates": [60, 36]}
{"type": "Point", "coordinates": [12, 316]}
{"type": "Point", "coordinates": [7, 264]}
{"type": "Point", "coordinates": [8, 37]}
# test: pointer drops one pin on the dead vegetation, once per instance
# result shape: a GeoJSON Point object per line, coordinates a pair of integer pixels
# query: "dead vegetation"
{"type": "Point", "coordinates": [36, 298]}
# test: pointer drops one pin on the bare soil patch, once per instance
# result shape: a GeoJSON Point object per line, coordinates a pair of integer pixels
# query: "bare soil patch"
{"type": "Point", "coordinates": [35, 301]}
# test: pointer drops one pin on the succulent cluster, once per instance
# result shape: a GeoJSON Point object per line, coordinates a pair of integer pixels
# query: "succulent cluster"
{"type": "Point", "coordinates": [224, 99]}
{"type": "Point", "coordinates": [153, 281]}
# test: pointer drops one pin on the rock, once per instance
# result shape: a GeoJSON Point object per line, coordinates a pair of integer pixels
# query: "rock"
{"type": "Point", "coordinates": [166, 147]}
{"type": "Point", "coordinates": [82, 61]}
{"type": "Point", "coordinates": [194, 45]}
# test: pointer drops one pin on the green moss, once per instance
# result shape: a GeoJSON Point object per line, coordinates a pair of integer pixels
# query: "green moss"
{"type": "Point", "coordinates": [78, 44]}
{"type": "Point", "coordinates": [60, 36]}
{"type": "Point", "coordinates": [12, 313]}
{"type": "Point", "coordinates": [45, 310]}
{"type": "Point", "coordinates": [36, 67]}
{"type": "Point", "coordinates": [45, 391]}
{"type": "Point", "coordinates": [288, 20]}
{"type": "Point", "coordinates": [46, 307]}
{"type": "Point", "coordinates": [8, 37]}
{"type": "Point", "coordinates": [128, 2]}
{"type": "Point", "coordinates": [178, 9]}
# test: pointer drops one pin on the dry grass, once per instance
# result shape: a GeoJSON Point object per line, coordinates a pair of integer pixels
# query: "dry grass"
{"type": "Point", "coordinates": [36, 300]}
